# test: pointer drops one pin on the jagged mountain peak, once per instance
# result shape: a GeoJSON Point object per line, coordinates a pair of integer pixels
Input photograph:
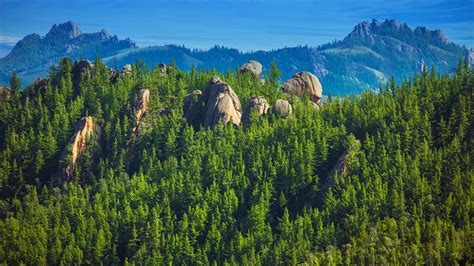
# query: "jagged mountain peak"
{"type": "Point", "coordinates": [387, 27]}
{"type": "Point", "coordinates": [106, 33]}
{"type": "Point", "coordinates": [32, 55]}
{"type": "Point", "coordinates": [435, 34]}
{"type": "Point", "coordinates": [68, 29]}
{"type": "Point", "coordinates": [368, 31]}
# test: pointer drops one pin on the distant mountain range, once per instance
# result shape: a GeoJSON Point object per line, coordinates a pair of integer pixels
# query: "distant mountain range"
{"type": "Point", "coordinates": [33, 56]}
{"type": "Point", "coordinates": [368, 56]}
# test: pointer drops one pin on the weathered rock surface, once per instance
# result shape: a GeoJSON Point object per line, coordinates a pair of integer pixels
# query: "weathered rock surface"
{"type": "Point", "coordinates": [282, 108]}
{"type": "Point", "coordinates": [222, 104]}
{"type": "Point", "coordinates": [141, 106]}
{"type": "Point", "coordinates": [253, 67]}
{"type": "Point", "coordinates": [126, 70]}
{"type": "Point", "coordinates": [84, 129]}
{"type": "Point", "coordinates": [259, 104]}
{"type": "Point", "coordinates": [164, 69]}
{"type": "Point", "coordinates": [304, 82]}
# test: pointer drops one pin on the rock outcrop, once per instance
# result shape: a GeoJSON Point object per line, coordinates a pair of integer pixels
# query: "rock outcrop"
{"type": "Point", "coordinates": [126, 70]}
{"type": "Point", "coordinates": [253, 67]}
{"type": "Point", "coordinates": [259, 104]}
{"type": "Point", "coordinates": [164, 69]}
{"type": "Point", "coordinates": [141, 106]}
{"type": "Point", "coordinates": [304, 82]}
{"type": "Point", "coordinates": [84, 129]}
{"type": "Point", "coordinates": [222, 104]}
{"type": "Point", "coordinates": [282, 108]}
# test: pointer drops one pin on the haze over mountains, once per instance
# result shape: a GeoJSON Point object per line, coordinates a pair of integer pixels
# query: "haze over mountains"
{"type": "Point", "coordinates": [368, 56]}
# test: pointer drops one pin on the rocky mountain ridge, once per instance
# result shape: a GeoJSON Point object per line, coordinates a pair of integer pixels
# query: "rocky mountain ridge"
{"type": "Point", "coordinates": [33, 56]}
{"type": "Point", "coordinates": [369, 56]}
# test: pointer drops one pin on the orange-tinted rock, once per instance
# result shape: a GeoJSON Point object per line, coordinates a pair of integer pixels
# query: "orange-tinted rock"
{"type": "Point", "coordinates": [84, 129]}
{"type": "Point", "coordinates": [141, 106]}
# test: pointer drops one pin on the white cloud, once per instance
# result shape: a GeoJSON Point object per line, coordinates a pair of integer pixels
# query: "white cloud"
{"type": "Point", "coordinates": [9, 39]}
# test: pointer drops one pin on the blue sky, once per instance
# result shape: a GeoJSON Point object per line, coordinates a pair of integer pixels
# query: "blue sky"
{"type": "Point", "coordinates": [244, 24]}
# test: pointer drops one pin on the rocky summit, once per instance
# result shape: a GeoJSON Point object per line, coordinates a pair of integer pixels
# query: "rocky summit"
{"type": "Point", "coordinates": [32, 56]}
{"type": "Point", "coordinates": [304, 82]}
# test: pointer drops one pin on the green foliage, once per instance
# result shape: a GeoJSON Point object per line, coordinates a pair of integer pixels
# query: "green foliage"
{"type": "Point", "coordinates": [178, 194]}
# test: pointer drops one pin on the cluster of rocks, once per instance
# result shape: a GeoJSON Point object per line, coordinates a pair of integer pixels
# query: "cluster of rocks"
{"type": "Point", "coordinates": [219, 102]}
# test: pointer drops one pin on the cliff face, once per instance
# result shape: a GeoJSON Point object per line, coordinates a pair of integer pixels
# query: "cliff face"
{"type": "Point", "coordinates": [84, 130]}
{"type": "Point", "coordinates": [141, 106]}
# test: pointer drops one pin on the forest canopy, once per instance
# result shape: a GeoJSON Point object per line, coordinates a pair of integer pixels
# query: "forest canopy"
{"type": "Point", "coordinates": [264, 192]}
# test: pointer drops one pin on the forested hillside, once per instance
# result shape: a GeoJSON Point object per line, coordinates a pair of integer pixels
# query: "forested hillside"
{"type": "Point", "coordinates": [370, 179]}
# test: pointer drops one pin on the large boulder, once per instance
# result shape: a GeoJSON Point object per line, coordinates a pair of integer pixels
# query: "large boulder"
{"type": "Point", "coordinates": [84, 129]}
{"type": "Point", "coordinates": [259, 104]}
{"type": "Point", "coordinates": [222, 104]}
{"type": "Point", "coordinates": [253, 67]}
{"type": "Point", "coordinates": [304, 82]}
{"type": "Point", "coordinates": [164, 69]}
{"type": "Point", "coordinates": [282, 108]}
{"type": "Point", "coordinates": [141, 106]}
{"type": "Point", "coordinates": [126, 70]}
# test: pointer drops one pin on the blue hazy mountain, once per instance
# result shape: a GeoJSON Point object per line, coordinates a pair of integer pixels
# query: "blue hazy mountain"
{"type": "Point", "coordinates": [33, 56]}
{"type": "Point", "coordinates": [367, 57]}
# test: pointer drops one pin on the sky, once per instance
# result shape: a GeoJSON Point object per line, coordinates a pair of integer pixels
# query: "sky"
{"type": "Point", "coordinates": [248, 25]}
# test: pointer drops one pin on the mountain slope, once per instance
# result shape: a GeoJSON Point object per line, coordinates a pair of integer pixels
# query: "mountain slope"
{"type": "Point", "coordinates": [368, 56]}
{"type": "Point", "coordinates": [388, 48]}
{"type": "Point", "coordinates": [32, 56]}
